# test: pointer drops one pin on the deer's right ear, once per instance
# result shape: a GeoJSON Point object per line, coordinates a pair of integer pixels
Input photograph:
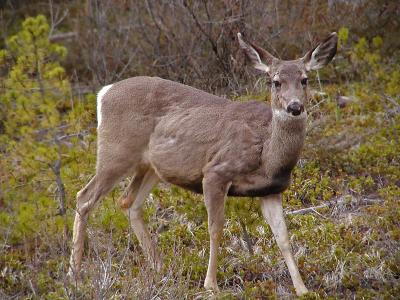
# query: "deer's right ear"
{"type": "Point", "coordinates": [259, 57]}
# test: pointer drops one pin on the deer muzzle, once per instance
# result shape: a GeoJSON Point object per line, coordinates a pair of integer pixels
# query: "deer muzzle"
{"type": "Point", "coordinates": [295, 108]}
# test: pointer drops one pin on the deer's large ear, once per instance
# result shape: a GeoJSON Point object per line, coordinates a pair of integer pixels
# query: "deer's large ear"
{"type": "Point", "coordinates": [259, 57]}
{"type": "Point", "coordinates": [322, 54]}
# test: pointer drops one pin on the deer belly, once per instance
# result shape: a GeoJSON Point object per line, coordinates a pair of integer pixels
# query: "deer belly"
{"type": "Point", "coordinates": [177, 162]}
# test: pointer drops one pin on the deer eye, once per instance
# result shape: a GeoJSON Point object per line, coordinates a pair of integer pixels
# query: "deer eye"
{"type": "Point", "coordinates": [304, 81]}
{"type": "Point", "coordinates": [277, 84]}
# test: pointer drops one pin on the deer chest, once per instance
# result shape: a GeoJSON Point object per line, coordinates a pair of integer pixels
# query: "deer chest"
{"type": "Point", "coordinates": [259, 186]}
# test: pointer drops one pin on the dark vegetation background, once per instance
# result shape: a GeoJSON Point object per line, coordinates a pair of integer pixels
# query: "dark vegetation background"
{"type": "Point", "coordinates": [342, 208]}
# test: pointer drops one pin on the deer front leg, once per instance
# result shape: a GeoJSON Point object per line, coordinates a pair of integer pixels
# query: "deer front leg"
{"type": "Point", "coordinates": [214, 190]}
{"type": "Point", "coordinates": [273, 212]}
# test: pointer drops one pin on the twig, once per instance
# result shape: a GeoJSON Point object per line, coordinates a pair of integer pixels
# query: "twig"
{"type": "Point", "coordinates": [308, 209]}
{"type": "Point", "coordinates": [56, 168]}
{"type": "Point", "coordinates": [317, 104]}
{"type": "Point", "coordinates": [247, 238]}
{"type": "Point", "coordinates": [74, 34]}
{"type": "Point", "coordinates": [319, 82]}
{"type": "Point", "coordinates": [32, 288]}
{"type": "Point", "coordinates": [319, 214]}
{"type": "Point", "coordinates": [208, 35]}
{"type": "Point", "coordinates": [67, 136]}
{"type": "Point", "coordinates": [393, 101]}
{"type": "Point", "coordinates": [63, 36]}
{"type": "Point", "coordinates": [339, 201]}
{"type": "Point", "coordinates": [55, 19]}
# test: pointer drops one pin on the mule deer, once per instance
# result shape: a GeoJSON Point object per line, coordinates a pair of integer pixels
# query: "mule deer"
{"type": "Point", "coordinates": [155, 129]}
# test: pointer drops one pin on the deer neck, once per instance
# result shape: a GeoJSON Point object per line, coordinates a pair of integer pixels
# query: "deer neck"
{"type": "Point", "coordinates": [281, 152]}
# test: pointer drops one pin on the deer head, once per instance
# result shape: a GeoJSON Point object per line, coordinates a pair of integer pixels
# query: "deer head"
{"type": "Point", "coordinates": [289, 78]}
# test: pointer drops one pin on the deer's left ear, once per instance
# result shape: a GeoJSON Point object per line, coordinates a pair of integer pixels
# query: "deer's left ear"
{"type": "Point", "coordinates": [322, 54]}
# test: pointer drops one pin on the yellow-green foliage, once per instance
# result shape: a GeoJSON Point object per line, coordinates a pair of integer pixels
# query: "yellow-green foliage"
{"type": "Point", "coordinates": [36, 85]}
{"type": "Point", "coordinates": [347, 250]}
{"type": "Point", "coordinates": [38, 110]}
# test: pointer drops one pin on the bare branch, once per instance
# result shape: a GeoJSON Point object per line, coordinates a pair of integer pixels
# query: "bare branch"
{"type": "Point", "coordinates": [336, 202]}
{"type": "Point", "coordinates": [63, 36]}
{"type": "Point", "coordinates": [393, 101]}
{"type": "Point", "coordinates": [55, 18]}
{"type": "Point", "coordinates": [247, 238]}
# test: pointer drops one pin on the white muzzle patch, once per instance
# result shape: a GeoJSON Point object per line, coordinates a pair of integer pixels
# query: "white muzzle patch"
{"type": "Point", "coordinates": [284, 115]}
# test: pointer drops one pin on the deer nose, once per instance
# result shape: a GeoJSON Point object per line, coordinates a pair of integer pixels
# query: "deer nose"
{"type": "Point", "coordinates": [295, 108]}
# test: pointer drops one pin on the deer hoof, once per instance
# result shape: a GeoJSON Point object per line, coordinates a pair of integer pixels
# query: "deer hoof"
{"type": "Point", "coordinates": [74, 277]}
{"type": "Point", "coordinates": [300, 291]}
{"type": "Point", "coordinates": [157, 265]}
{"type": "Point", "coordinates": [211, 285]}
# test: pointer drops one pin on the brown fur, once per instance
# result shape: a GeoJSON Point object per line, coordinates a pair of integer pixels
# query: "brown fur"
{"type": "Point", "coordinates": [232, 139]}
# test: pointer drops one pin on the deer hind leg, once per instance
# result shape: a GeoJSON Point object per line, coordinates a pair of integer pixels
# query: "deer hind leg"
{"type": "Point", "coordinates": [96, 189]}
{"type": "Point", "coordinates": [273, 212]}
{"type": "Point", "coordinates": [132, 202]}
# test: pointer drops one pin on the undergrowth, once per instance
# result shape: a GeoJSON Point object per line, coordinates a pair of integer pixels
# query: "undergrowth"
{"type": "Point", "coordinates": [348, 248]}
